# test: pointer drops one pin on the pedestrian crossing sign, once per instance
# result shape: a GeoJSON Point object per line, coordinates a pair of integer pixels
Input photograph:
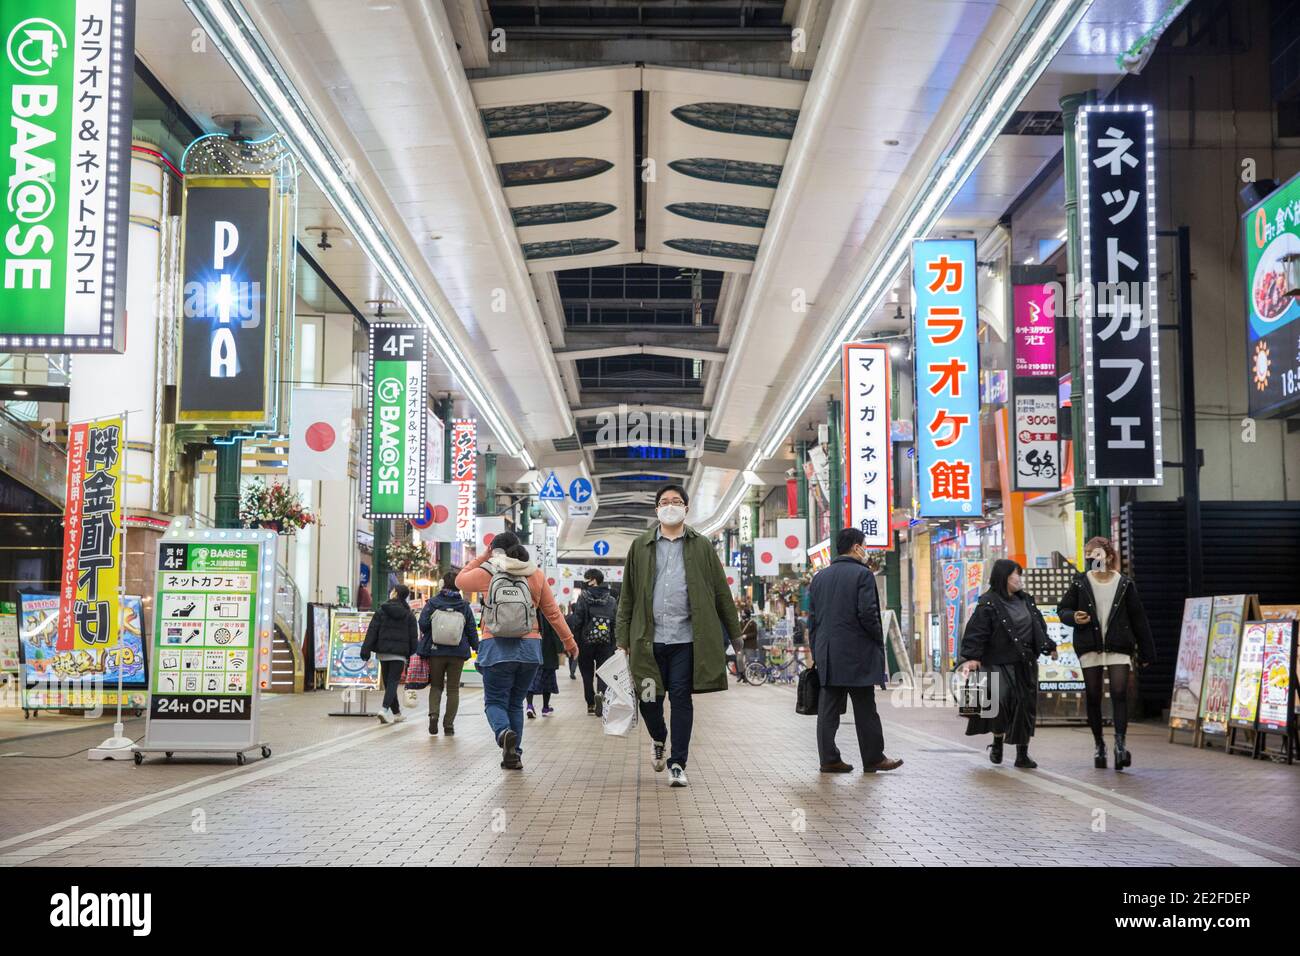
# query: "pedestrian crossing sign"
{"type": "Point", "coordinates": [552, 490]}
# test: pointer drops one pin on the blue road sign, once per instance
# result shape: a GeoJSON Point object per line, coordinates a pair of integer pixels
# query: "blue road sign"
{"type": "Point", "coordinates": [601, 548]}
{"type": "Point", "coordinates": [580, 489]}
{"type": "Point", "coordinates": [551, 490]}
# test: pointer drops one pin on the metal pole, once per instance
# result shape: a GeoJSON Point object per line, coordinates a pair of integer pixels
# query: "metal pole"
{"type": "Point", "coordinates": [226, 497]}
{"type": "Point", "coordinates": [835, 490]}
{"type": "Point", "coordinates": [1187, 388]}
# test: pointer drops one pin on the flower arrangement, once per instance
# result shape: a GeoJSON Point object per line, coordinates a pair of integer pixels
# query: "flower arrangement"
{"type": "Point", "coordinates": [273, 506]}
{"type": "Point", "coordinates": [410, 557]}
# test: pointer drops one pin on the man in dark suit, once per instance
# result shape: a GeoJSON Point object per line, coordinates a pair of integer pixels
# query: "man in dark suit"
{"type": "Point", "coordinates": [848, 648]}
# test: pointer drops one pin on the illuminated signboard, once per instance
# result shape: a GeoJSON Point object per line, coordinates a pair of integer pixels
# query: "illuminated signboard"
{"type": "Point", "coordinates": [867, 451]}
{"type": "Point", "coordinates": [397, 418]}
{"type": "Point", "coordinates": [1270, 233]}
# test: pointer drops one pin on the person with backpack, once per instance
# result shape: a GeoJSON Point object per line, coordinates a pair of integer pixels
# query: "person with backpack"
{"type": "Point", "coordinates": [447, 635]}
{"type": "Point", "coordinates": [391, 635]}
{"type": "Point", "coordinates": [512, 589]}
{"type": "Point", "coordinates": [592, 621]}
{"type": "Point", "coordinates": [544, 681]}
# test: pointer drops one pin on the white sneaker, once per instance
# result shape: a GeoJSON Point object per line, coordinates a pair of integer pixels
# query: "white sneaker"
{"type": "Point", "coordinates": [676, 776]}
{"type": "Point", "coordinates": [398, 718]}
{"type": "Point", "coordinates": [385, 716]}
{"type": "Point", "coordinates": [657, 755]}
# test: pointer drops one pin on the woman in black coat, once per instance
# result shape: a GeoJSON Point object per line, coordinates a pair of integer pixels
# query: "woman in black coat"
{"type": "Point", "coordinates": [1005, 636]}
{"type": "Point", "coordinates": [393, 635]}
{"type": "Point", "coordinates": [1111, 631]}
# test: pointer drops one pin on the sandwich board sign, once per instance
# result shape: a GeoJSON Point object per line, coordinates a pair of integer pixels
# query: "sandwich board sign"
{"type": "Point", "coordinates": [212, 640]}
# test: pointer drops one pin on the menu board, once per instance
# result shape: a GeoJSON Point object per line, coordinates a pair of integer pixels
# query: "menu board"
{"type": "Point", "coordinates": [1250, 666]}
{"type": "Point", "coordinates": [1064, 674]}
{"type": "Point", "coordinates": [1221, 662]}
{"type": "Point", "coordinates": [346, 668]}
{"type": "Point", "coordinates": [1189, 671]}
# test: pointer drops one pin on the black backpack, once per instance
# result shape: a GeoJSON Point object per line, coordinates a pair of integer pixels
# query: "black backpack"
{"type": "Point", "coordinates": [599, 628]}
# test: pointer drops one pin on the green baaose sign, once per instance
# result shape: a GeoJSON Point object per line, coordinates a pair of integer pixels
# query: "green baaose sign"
{"type": "Point", "coordinates": [66, 78]}
{"type": "Point", "coordinates": [395, 459]}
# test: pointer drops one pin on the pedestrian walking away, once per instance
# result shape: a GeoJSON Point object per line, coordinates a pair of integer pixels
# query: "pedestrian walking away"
{"type": "Point", "coordinates": [1111, 634]}
{"type": "Point", "coordinates": [675, 616]}
{"type": "Point", "coordinates": [393, 635]}
{"type": "Point", "coordinates": [848, 649]}
{"type": "Point", "coordinates": [593, 623]}
{"type": "Point", "coordinates": [447, 636]}
{"type": "Point", "coordinates": [512, 589]}
{"type": "Point", "coordinates": [544, 682]}
{"type": "Point", "coordinates": [1003, 639]}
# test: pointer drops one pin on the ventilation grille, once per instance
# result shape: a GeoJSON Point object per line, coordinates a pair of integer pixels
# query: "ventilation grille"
{"type": "Point", "coordinates": [716, 444]}
{"type": "Point", "coordinates": [566, 444]}
{"type": "Point", "coordinates": [1034, 123]}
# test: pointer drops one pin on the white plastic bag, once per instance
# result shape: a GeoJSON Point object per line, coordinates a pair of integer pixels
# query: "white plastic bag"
{"type": "Point", "coordinates": [618, 711]}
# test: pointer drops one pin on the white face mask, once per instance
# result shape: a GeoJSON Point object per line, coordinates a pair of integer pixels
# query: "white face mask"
{"type": "Point", "coordinates": [672, 515]}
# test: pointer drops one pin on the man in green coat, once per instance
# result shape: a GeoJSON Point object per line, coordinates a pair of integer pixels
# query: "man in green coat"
{"type": "Point", "coordinates": [675, 620]}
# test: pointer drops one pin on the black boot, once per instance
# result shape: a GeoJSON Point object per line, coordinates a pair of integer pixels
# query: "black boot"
{"type": "Point", "coordinates": [1099, 758]}
{"type": "Point", "coordinates": [1022, 757]}
{"type": "Point", "coordinates": [1122, 756]}
{"type": "Point", "coordinates": [995, 750]}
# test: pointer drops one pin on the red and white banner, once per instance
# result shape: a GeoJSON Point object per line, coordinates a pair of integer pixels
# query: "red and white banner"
{"type": "Point", "coordinates": [464, 474]}
{"type": "Point", "coordinates": [320, 433]}
{"type": "Point", "coordinates": [767, 557]}
{"type": "Point", "coordinates": [733, 580]}
{"type": "Point", "coordinates": [792, 538]}
{"type": "Point", "coordinates": [488, 528]}
{"type": "Point", "coordinates": [439, 522]}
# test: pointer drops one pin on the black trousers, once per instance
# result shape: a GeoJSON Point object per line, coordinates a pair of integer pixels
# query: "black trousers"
{"type": "Point", "coordinates": [832, 702]}
{"type": "Point", "coordinates": [392, 671]}
{"type": "Point", "coordinates": [677, 671]}
{"type": "Point", "coordinates": [590, 657]}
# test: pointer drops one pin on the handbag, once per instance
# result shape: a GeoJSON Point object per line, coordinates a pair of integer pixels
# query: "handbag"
{"type": "Point", "coordinates": [416, 676]}
{"type": "Point", "coordinates": [973, 698]}
{"type": "Point", "coordinates": [808, 691]}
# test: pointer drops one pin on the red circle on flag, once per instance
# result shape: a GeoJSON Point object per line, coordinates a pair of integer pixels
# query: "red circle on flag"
{"type": "Point", "coordinates": [766, 557]}
{"type": "Point", "coordinates": [791, 541]}
{"type": "Point", "coordinates": [730, 579]}
{"type": "Point", "coordinates": [551, 581]}
{"type": "Point", "coordinates": [566, 590]}
{"type": "Point", "coordinates": [440, 514]}
{"type": "Point", "coordinates": [320, 436]}
{"type": "Point", "coordinates": [487, 540]}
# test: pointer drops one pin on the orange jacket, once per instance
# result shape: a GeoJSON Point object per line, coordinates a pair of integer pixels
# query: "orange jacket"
{"type": "Point", "coordinates": [474, 577]}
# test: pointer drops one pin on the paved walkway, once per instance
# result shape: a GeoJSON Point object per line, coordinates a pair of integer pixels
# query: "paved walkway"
{"type": "Point", "coordinates": [341, 791]}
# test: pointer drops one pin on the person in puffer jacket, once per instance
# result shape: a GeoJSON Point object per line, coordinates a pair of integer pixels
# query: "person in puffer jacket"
{"type": "Point", "coordinates": [392, 635]}
{"type": "Point", "coordinates": [447, 661]}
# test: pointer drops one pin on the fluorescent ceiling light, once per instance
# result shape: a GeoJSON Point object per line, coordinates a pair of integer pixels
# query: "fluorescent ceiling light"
{"type": "Point", "coordinates": [243, 47]}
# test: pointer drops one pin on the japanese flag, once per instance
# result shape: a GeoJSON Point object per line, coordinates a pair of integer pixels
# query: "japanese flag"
{"type": "Point", "coordinates": [768, 553]}
{"type": "Point", "coordinates": [488, 528]}
{"type": "Point", "coordinates": [554, 582]}
{"type": "Point", "coordinates": [733, 581]}
{"type": "Point", "coordinates": [320, 430]}
{"type": "Point", "coordinates": [440, 512]}
{"type": "Point", "coordinates": [790, 536]}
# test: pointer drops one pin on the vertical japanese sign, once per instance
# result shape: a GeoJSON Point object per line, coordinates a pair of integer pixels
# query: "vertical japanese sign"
{"type": "Point", "coordinates": [464, 474]}
{"type": "Point", "coordinates": [947, 378]}
{"type": "Point", "coordinates": [1270, 234]}
{"type": "Point", "coordinates": [1250, 671]}
{"type": "Point", "coordinates": [67, 80]}
{"type": "Point", "coordinates": [867, 458]}
{"type": "Point", "coordinates": [1120, 347]}
{"type": "Point", "coordinates": [226, 353]}
{"type": "Point", "coordinates": [951, 581]}
{"type": "Point", "coordinates": [1189, 670]}
{"type": "Point", "coordinates": [1221, 662]}
{"type": "Point", "coordinates": [397, 406]}
{"type": "Point", "coordinates": [91, 573]}
{"type": "Point", "coordinates": [212, 638]}
{"type": "Point", "coordinates": [1275, 689]}
{"type": "Point", "coordinates": [1035, 438]}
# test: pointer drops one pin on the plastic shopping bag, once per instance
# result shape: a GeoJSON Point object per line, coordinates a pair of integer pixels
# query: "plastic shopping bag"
{"type": "Point", "coordinates": [619, 709]}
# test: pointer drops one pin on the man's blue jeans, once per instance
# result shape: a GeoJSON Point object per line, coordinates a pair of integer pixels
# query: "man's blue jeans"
{"type": "Point", "coordinates": [677, 671]}
{"type": "Point", "coordinates": [504, 687]}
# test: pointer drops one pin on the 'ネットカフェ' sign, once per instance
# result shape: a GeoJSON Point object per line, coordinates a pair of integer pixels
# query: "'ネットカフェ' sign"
{"type": "Point", "coordinates": [226, 354]}
{"type": "Point", "coordinates": [66, 77]}
{"type": "Point", "coordinates": [867, 452]}
{"type": "Point", "coordinates": [947, 378]}
{"type": "Point", "coordinates": [1121, 355]}
{"type": "Point", "coordinates": [395, 434]}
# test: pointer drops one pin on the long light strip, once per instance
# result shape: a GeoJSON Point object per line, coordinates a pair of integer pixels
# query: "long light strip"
{"type": "Point", "coordinates": [952, 171]}
{"type": "Point", "coordinates": [228, 24]}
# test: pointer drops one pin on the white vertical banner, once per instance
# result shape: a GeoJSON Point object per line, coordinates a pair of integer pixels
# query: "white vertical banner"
{"type": "Point", "coordinates": [436, 436]}
{"type": "Point", "coordinates": [320, 426]}
{"type": "Point", "coordinates": [791, 535]}
{"type": "Point", "coordinates": [767, 557]}
{"type": "Point", "coordinates": [488, 528]}
{"type": "Point", "coordinates": [733, 580]}
{"type": "Point", "coordinates": [867, 464]}
{"type": "Point", "coordinates": [746, 525]}
{"type": "Point", "coordinates": [442, 513]}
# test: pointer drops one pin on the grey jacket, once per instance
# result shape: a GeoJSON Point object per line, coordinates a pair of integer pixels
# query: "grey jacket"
{"type": "Point", "coordinates": [847, 637]}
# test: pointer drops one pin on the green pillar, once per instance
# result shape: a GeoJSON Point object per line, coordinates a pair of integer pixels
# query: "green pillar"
{"type": "Point", "coordinates": [442, 407]}
{"type": "Point", "coordinates": [1092, 503]}
{"type": "Point", "coordinates": [226, 498]}
{"type": "Point", "coordinates": [379, 569]}
{"type": "Point", "coordinates": [836, 489]}
{"type": "Point", "coordinates": [490, 482]}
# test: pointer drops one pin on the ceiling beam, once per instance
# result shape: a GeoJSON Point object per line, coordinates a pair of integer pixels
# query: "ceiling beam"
{"type": "Point", "coordinates": [704, 354]}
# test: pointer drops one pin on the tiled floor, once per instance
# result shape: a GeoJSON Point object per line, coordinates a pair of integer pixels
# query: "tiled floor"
{"type": "Point", "coordinates": [341, 791]}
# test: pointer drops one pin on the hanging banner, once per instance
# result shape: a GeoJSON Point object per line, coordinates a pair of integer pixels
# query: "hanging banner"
{"type": "Point", "coordinates": [1034, 338]}
{"type": "Point", "coordinates": [950, 573]}
{"type": "Point", "coordinates": [790, 536]}
{"type": "Point", "coordinates": [1278, 670]}
{"type": "Point", "coordinates": [1270, 234]}
{"type": "Point", "coordinates": [82, 676]}
{"type": "Point", "coordinates": [746, 523]}
{"type": "Point", "coordinates": [1221, 662]}
{"type": "Point", "coordinates": [488, 528]}
{"type": "Point", "coordinates": [464, 474]}
{"type": "Point", "coordinates": [67, 78]}
{"type": "Point", "coordinates": [1250, 672]}
{"type": "Point", "coordinates": [1121, 348]}
{"type": "Point", "coordinates": [867, 453]}
{"type": "Point", "coordinates": [212, 638]}
{"type": "Point", "coordinates": [434, 437]}
{"type": "Point", "coordinates": [320, 430]}
{"type": "Point", "coordinates": [1189, 670]}
{"type": "Point", "coordinates": [346, 668]}
{"type": "Point", "coordinates": [733, 580]}
{"type": "Point", "coordinates": [974, 574]}
{"type": "Point", "coordinates": [1037, 441]}
{"type": "Point", "coordinates": [947, 378]}
{"type": "Point", "coordinates": [767, 557]}
{"type": "Point", "coordinates": [226, 354]}
{"type": "Point", "coordinates": [396, 415]}
{"type": "Point", "coordinates": [89, 604]}
{"type": "Point", "coordinates": [439, 521]}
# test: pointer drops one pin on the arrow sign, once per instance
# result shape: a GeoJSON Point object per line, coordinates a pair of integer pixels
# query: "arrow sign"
{"type": "Point", "coordinates": [601, 548]}
{"type": "Point", "coordinates": [580, 489]}
{"type": "Point", "coordinates": [551, 490]}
